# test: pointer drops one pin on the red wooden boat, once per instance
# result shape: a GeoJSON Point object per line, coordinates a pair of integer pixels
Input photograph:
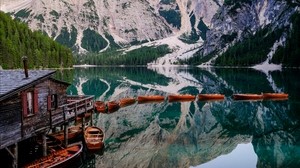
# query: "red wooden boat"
{"type": "Point", "coordinates": [275, 96]}
{"type": "Point", "coordinates": [126, 102]}
{"type": "Point", "coordinates": [94, 137]}
{"type": "Point", "coordinates": [86, 115]}
{"type": "Point", "coordinates": [60, 158]}
{"type": "Point", "coordinates": [203, 97]}
{"type": "Point", "coordinates": [73, 133]}
{"type": "Point", "coordinates": [247, 96]}
{"type": "Point", "coordinates": [100, 106]}
{"type": "Point", "coordinates": [112, 106]}
{"type": "Point", "coordinates": [150, 98]}
{"type": "Point", "coordinates": [181, 97]}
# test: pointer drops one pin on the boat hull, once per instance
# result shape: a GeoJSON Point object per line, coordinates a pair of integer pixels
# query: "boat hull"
{"type": "Point", "coordinates": [100, 107]}
{"type": "Point", "coordinates": [152, 98]}
{"type": "Point", "coordinates": [275, 95]}
{"type": "Point", "coordinates": [185, 97]}
{"type": "Point", "coordinates": [58, 159]}
{"type": "Point", "coordinates": [94, 137]}
{"type": "Point", "coordinates": [203, 97]}
{"type": "Point", "coordinates": [112, 106]}
{"type": "Point", "coordinates": [247, 96]}
{"type": "Point", "coordinates": [73, 133]}
{"type": "Point", "coordinates": [126, 102]}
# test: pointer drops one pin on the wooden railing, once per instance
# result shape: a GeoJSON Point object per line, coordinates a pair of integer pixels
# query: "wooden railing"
{"type": "Point", "coordinates": [75, 106]}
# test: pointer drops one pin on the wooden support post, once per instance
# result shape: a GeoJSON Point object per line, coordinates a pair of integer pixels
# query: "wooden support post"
{"type": "Point", "coordinates": [92, 111]}
{"type": "Point", "coordinates": [14, 154]}
{"type": "Point", "coordinates": [85, 106]}
{"type": "Point", "coordinates": [64, 114]}
{"type": "Point", "coordinates": [44, 144]}
{"type": "Point", "coordinates": [66, 134]}
{"type": "Point", "coordinates": [76, 112]}
{"type": "Point", "coordinates": [83, 121]}
{"type": "Point", "coordinates": [51, 124]}
{"type": "Point", "coordinates": [91, 122]}
{"type": "Point", "coordinates": [65, 127]}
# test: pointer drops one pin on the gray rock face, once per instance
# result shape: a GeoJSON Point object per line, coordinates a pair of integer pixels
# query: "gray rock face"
{"type": "Point", "coordinates": [132, 22]}
{"type": "Point", "coordinates": [244, 20]}
{"type": "Point", "coordinates": [127, 22]}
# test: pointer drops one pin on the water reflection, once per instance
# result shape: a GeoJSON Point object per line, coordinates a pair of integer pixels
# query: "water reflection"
{"type": "Point", "coordinates": [184, 134]}
{"type": "Point", "coordinates": [243, 152]}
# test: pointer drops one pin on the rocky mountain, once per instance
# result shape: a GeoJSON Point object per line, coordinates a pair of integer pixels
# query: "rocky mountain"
{"type": "Point", "coordinates": [89, 25]}
{"type": "Point", "coordinates": [237, 20]}
{"type": "Point", "coordinates": [203, 29]}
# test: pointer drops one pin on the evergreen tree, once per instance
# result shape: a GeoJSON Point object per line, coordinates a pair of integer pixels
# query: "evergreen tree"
{"type": "Point", "coordinates": [17, 40]}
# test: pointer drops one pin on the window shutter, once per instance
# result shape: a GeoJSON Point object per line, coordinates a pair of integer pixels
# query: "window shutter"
{"type": "Point", "coordinates": [49, 102]}
{"type": "Point", "coordinates": [56, 101]}
{"type": "Point", "coordinates": [35, 101]}
{"type": "Point", "coordinates": [24, 103]}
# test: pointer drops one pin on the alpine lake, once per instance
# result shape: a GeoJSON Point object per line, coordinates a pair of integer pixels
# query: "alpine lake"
{"type": "Point", "coordinates": [202, 134]}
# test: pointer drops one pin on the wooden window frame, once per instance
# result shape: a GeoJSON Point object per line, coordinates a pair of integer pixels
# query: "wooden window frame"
{"type": "Point", "coordinates": [52, 102]}
{"type": "Point", "coordinates": [35, 106]}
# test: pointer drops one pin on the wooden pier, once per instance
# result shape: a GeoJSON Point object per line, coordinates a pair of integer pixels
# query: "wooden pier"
{"type": "Point", "coordinates": [77, 105]}
{"type": "Point", "coordinates": [31, 106]}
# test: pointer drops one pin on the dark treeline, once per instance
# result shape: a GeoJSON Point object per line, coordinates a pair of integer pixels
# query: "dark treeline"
{"type": "Point", "coordinates": [289, 55]}
{"type": "Point", "coordinates": [17, 40]}
{"type": "Point", "coordinates": [140, 56]}
{"type": "Point", "coordinates": [252, 50]}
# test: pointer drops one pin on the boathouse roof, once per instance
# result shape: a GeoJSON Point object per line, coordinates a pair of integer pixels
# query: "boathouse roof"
{"type": "Point", "coordinates": [13, 81]}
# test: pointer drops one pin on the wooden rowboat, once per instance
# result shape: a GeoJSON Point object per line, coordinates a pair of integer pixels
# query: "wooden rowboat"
{"type": "Point", "coordinates": [126, 102]}
{"type": "Point", "coordinates": [275, 95]}
{"type": "Point", "coordinates": [86, 115]}
{"type": "Point", "coordinates": [100, 106]}
{"type": "Point", "coordinates": [112, 106]}
{"type": "Point", "coordinates": [151, 98]}
{"type": "Point", "coordinates": [203, 97]}
{"type": "Point", "coordinates": [60, 158]}
{"type": "Point", "coordinates": [181, 97]}
{"type": "Point", "coordinates": [73, 133]}
{"type": "Point", "coordinates": [94, 137]}
{"type": "Point", "coordinates": [247, 96]}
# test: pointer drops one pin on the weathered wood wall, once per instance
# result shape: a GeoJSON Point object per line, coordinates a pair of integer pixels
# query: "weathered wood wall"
{"type": "Point", "coordinates": [14, 126]}
{"type": "Point", "coordinates": [41, 121]}
{"type": "Point", "coordinates": [10, 121]}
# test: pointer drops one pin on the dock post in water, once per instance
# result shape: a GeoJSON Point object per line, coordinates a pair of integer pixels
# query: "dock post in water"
{"type": "Point", "coordinates": [44, 145]}
{"type": "Point", "coordinates": [13, 152]}
{"type": "Point", "coordinates": [76, 106]}
{"type": "Point", "coordinates": [65, 127]}
{"type": "Point", "coordinates": [66, 134]}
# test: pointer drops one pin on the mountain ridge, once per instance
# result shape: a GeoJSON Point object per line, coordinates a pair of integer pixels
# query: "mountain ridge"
{"type": "Point", "coordinates": [193, 29]}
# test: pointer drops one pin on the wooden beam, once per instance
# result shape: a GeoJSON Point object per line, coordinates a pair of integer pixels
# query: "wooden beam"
{"type": "Point", "coordinates": [14, 154]}
{"type": "Point", "coordinates": [44, 145]}
{"type": "Point", "coordinates": [10, 153]}
{"type": "Point", "coordinates": [66, 134]}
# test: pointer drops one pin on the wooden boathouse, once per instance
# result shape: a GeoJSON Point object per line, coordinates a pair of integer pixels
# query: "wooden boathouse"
{"type": "Point", "coordinates": [33, 103]}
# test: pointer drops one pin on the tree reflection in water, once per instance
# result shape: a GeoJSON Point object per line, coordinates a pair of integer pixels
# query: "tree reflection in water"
{"type": "Point", "coordinates": [183, 134]}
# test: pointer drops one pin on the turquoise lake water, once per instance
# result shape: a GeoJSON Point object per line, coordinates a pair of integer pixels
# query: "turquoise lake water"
{"type": "Point", "coordinates": [226, 133]}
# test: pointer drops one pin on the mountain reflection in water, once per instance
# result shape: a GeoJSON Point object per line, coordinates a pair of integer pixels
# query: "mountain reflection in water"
{"type": "Point", "coordinates": [189, 134]}
{"type": "Point", "coordinates": [242, 156]}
